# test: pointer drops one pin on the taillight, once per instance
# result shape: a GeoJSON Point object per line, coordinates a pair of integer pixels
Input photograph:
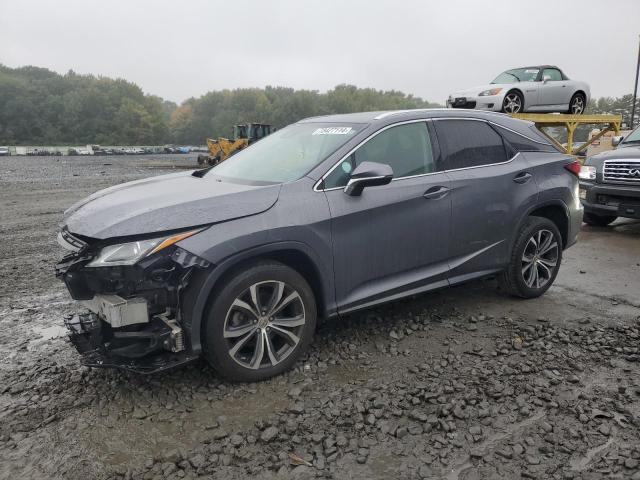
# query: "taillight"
{"type": "Point", "coordinates": [573, 167]}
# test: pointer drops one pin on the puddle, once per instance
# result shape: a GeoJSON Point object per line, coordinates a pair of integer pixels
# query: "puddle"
{"type": "Point", "coordinates": [491, 442]}
{"type": "Point", "coordinates": [580, 464]}
{"type": "Point", "coordinates": [48, 333]}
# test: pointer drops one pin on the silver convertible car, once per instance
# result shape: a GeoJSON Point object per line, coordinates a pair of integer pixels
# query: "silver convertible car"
{"type": "Point", "coordinates": [544, 88]}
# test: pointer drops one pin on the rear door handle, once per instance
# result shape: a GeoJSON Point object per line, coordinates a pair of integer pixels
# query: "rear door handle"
{"type": "Point", "coordinates": [435, 192]}
{"type": "Point", "coordinates": [522, 177]}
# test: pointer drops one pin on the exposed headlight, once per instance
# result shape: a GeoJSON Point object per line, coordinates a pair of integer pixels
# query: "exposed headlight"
{"type": "Point", "coordinates": [131, 252]}
{"type": "Point", "coordinates": [493, 91]}
{"type": "Point", "coordinates": [587, 172]}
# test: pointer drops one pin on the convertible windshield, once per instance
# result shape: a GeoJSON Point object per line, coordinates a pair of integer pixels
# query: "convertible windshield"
{"type": "Point", "coordinates": [517, 75]}
{"type": "Point", "coordinates": [287, 154]}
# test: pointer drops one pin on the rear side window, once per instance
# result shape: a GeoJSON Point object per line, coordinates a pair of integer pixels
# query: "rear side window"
{"type": "Point", "coordinates": [405, 148]}
{"type": "Point", "coordinates": [524, 144]}
{"type": "Point", "coordinates": [469, 143]}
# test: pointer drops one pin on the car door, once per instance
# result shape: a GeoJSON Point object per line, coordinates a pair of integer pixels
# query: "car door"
{"type": "Point", "coordinates": [553, 88]}
{"type": "Point", "coordinates": [491, 189]}
{"type": "Point", "coordinates": [391, 240]}
{"type": "Point", "coordinates": [530, 92]}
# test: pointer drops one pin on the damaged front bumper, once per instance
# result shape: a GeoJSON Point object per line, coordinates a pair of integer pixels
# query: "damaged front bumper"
{"type": "Point", "coordinates": [135, 315]}
{"type": "Point", "coordinates": [156, 348]}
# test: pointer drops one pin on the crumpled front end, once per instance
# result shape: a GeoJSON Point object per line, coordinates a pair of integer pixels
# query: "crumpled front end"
{"type": "Point", "coordinates": [133, 315]}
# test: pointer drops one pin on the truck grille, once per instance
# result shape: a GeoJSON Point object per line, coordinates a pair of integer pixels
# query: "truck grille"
{"type": "Point", "coordinates": [622, 171]}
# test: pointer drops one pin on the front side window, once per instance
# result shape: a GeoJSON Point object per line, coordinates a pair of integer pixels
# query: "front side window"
{"type": "Point", "coordinates": [469, 143]}
{"type": "Point", "coordinates": [552, 74]}
{"type": "Point", "coordinates": [405, 148]}
{"type": "Point", "coordinates": [287, 154]}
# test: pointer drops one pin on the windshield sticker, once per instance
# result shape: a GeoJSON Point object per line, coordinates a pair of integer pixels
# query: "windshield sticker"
{"type": "Point", "coordinates": [531, 71]}
{"type": "Point", "coordinates": [333, 131]}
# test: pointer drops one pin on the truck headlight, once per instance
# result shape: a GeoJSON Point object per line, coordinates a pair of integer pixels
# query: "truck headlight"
{"type": "Point", "coordinates": [131, 252]}
{"type": "Point", "coordinates": [493, 91]}
{"type": "Point", "coordinates": [587, 172]}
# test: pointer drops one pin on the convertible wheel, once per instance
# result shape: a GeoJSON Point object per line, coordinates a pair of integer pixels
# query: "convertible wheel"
{"type": "Point", "coordinates": [512, 103]}
{"type": "Point", "coordinates": [260, 323]}
{"type": "Point", "coordinates": [577, 104]}
{"type": "Point", "coordinates": [535, 259]}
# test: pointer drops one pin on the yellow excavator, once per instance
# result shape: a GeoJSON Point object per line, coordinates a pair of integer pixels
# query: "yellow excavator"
{"type": "Point", "coordinates": [243, 135]}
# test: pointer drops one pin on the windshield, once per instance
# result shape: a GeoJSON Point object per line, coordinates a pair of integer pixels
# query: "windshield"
{"type": "Point", "coordinates": [287, 154]}
{"type": "Point", "coordinates": [633, 137]}
{"type": "Point", "coordinates": [517, 75]}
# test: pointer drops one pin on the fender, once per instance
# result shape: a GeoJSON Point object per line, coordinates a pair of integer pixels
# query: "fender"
{"type": "Point", "coordinates": [196, 310]}
{"type": "Point", "coordinates": [527, 213]}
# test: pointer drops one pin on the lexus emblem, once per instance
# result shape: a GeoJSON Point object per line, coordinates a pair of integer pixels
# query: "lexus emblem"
{"type": "Point", "coordinates": [635, 172]}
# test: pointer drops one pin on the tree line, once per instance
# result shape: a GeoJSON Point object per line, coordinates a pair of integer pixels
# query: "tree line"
{"type": "Point", "coordinates": [41, 107]}
{"type": "Point", "coordinates": [214, 114]}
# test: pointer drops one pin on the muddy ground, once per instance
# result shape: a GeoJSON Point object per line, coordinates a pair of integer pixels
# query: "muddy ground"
{"type": "Point", "coordinates": [460, 384]}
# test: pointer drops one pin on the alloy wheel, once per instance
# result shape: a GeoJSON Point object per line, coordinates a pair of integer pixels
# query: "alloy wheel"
{"type": "Point", "coordinates": [577, 105]}
{"type": "Point", "coordinates": [512, 103]}
{"type": "Point", "coordinates": [264, 324]}
{"type": "Point", "coordinates": [540, 259]}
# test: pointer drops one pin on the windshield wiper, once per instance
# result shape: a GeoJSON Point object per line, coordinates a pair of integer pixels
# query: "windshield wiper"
{"type": "Point", "coordinates": [202, 172]}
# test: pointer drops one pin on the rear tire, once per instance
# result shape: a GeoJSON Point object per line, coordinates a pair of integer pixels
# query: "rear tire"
{"type": "Point", "coordinates": [259, 323]}
{"type": "Point", "coordinates": [577, 104]}
{"type": "Point", "coordinates": [597, 220]}
{"type": "Point", "coordinates": [535, 259]}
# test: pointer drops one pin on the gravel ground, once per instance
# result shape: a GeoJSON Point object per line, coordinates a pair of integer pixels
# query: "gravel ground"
{"type": "Point", "coordinates": [459, 384]}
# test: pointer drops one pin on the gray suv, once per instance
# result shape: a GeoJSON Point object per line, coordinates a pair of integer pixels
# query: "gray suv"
{"type": "Point", "coordinates": [324, 217]}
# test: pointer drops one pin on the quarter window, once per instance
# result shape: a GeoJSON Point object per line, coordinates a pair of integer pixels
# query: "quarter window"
{"type": "Point", "coordinates": [405, 148]}
{"type": "Point", "coordinates": [524, 144]}
{"type": "Point", "coordinates": [553, 73]}
{"type": "Point", "coordinates": [469, 143]}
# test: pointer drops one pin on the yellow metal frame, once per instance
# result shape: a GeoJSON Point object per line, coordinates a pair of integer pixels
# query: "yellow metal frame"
{"type": "Point", "coordinates": [570, 122]}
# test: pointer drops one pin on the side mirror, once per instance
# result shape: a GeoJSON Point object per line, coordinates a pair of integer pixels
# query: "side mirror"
{"type": "Point", "coordinates": [368, 174]}
{"type": "Point", "coordinates": [615, 141]}
{"type": "Point", "coordinates": [546, 78]}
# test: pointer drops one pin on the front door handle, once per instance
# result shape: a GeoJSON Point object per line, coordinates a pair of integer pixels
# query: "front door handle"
{"type": "Point", "coordinates": [436, 192]}
{"type": "Point", "coordinates": [522, 177]}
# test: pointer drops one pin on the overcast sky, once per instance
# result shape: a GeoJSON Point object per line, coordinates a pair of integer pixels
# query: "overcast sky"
{"type": "Point", "coordinates": [183, 48]}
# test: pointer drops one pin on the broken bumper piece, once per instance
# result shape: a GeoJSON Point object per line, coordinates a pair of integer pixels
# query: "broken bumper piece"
{"type": "Point", "coordinates": [159, 346]}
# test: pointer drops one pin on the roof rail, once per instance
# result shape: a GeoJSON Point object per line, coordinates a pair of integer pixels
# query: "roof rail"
{"type": "Point", "coordinates": [398, 112]}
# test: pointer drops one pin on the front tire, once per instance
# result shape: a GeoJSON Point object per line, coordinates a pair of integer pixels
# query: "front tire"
{"type": "Point", "coordinates": [577, 104]}
{"type": "Point", "coordinates": [535, 259]}
{"type": "Point", "coordinates": [513, 103]}
{"type": "Point", "coordinates": [597, 220]}
{"type": "Point", "coordinates": [260, 322]}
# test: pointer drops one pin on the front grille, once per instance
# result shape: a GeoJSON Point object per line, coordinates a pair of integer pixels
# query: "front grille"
{"type": "Point", "coordinates": [462, 102]}
{"type": "Point", "coordinates": [622, 171]}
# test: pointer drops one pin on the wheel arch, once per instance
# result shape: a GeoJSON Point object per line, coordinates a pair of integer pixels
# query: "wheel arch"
{"type": "Point", "coordinates": [203, 285]}
{"type": "Point", "coordinates": [580, 92]}
{"type": "Point", "coordinates": [557, 212]}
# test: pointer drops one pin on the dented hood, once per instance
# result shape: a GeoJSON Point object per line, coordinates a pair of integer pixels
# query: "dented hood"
{"type": "Point", "coordinates": [168, 202]}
